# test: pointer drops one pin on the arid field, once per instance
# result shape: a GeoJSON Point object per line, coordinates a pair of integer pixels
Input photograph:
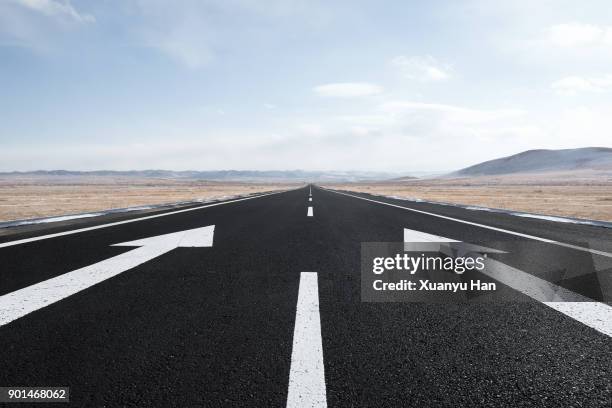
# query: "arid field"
{"type": "Point", "coordinates": [33, 197]}
{"type": "Point", "coordinates": [22, 198]}
{"type": "Point", "coordinates": [579, 199]}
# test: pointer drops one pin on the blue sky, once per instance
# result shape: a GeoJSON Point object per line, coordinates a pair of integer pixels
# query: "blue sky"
{"type": "Point", "coordinates": [345, 85]}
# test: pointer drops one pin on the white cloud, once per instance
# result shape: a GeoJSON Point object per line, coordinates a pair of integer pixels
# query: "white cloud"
{"type": "Point", "coordinates": [57, 8]}
{"type": "Point", "coordinates": [419, 68]}
{"type": "Point", "coordinates": [450, 112]}
{"type": "Point", "coordinates": [404, 135]}
{"type": "Point", "coordinates": [579, 34]}
{"type": "Point", "coordinates": [348, 89]}
{"type": "Point", "coordinates": [581, 126]}
{"type": "Point", "coordinates": [191, 54]}
{"type": "Point", "coordinates": [572, 85]}
{"type": "Point", "coordinates": [39, 25]}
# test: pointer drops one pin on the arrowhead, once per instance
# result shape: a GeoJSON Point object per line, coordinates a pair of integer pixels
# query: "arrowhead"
{"type": "Point", "coordinates": [197, 237]}
{"type": "Point", "coordinates": [415, 237]}
{"type": "Point", "coordinates": [418, 236]}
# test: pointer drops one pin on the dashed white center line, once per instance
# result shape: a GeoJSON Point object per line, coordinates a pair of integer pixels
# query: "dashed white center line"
{"type": "Point", "coordinates": [309, 198]}
{"type": "Point", "coordinates": [307, 374]}
{"type": "Point", "coordinates": [310, 212]}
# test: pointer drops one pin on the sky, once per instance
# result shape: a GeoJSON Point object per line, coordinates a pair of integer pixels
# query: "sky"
{"type": "Point", "coordinates": [398, 86]}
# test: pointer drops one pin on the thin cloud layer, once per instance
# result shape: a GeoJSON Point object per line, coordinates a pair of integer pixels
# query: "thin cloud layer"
{"type": "Point", "coordinates": [56, 8]}
{"type": "Point", "coordinates": [419, 68]}
{"type": "Point", "coordinates": [573, 85]}
{"type": "Point", "coordinates": [578, 34]}
{"type": "Point", "coordinates": [348, 89]}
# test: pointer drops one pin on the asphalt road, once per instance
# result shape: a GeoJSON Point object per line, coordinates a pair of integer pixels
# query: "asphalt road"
{"type": "Point", "coordinates": [214, 325]}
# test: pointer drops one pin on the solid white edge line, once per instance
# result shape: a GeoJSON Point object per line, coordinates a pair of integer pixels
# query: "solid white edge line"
{"type": "Point", "coordinates": [112, 224]}
{"type": "Point", "coordinates": [310, 212]}
{"type": "Point", "coordinates": [518, 234]}
{"type": "Point", "coordinates": [307, 372]}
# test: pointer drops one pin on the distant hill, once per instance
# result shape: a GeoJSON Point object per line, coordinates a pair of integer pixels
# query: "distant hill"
{"type": "Point", "coordinates": [405, 178]}
{"type": "Point", "coordinates": [217, 175]}
{"type": "Point", "coordinates": [595, 159]}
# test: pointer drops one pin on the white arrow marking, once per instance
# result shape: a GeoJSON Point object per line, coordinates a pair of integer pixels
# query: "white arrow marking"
{"type": "Point", "coordinates": [27, 300]}
{"type": "Point", "coordinates": [412, 236]}
{"type": "Point", "coordinates": [307, 375]}
{"type": "Point", "coordinates": [310, 212]}
{"type": "Point", "coordinates": [593, 314]}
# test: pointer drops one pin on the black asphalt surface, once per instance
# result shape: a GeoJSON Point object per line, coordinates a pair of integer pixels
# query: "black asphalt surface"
{"type": "Point", "coordinates": [213, 327]}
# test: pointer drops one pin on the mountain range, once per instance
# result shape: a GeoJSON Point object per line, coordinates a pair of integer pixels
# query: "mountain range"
{"type": "Point", "coordinates": [567, 161]}
{"type": "Point", "coordinates": [219, 175]}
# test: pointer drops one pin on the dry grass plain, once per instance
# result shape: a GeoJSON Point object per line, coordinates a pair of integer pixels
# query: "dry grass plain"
{"type": "Point", "coordinates": [579, 199]}
{"type": "Point", "coordinates": [32, 197]}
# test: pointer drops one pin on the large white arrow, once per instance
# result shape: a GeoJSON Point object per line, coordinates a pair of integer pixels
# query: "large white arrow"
{"type": "Point", "coordinates": [27, 300]}
{"type": "Point", "coordinates": [594, 314]}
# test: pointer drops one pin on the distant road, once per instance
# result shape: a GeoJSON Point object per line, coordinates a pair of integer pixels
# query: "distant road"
{"type": "Point", "coordinates": [257, 302]}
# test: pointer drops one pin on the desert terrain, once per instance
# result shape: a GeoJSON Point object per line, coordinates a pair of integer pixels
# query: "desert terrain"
{"type": "Point", "coordinates": [553, 194]}
{"type": "Point", "coordinates": [578, 194]}
{"type": "Point", "coordinates": [33, 197]}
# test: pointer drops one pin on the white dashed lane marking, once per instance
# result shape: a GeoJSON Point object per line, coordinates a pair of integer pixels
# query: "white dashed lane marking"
{"type": "Point", "coordinates": [307, 373]}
